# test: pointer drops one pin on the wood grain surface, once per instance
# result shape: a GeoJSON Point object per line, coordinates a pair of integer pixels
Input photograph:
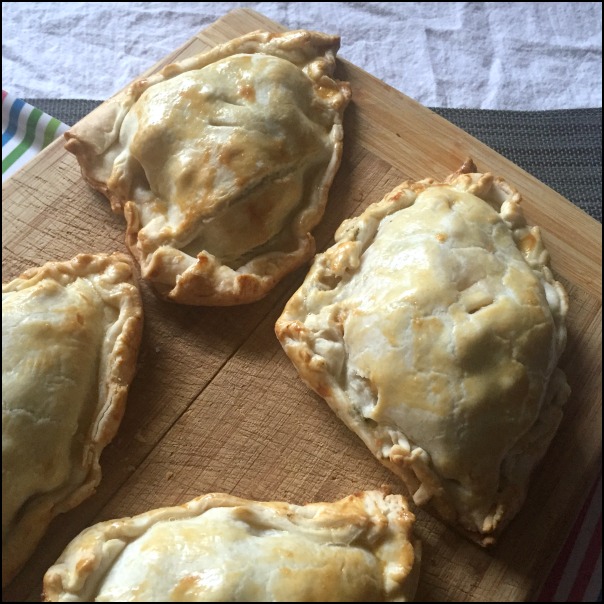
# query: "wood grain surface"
{"type": "Point", "coordinates": [217, 406]}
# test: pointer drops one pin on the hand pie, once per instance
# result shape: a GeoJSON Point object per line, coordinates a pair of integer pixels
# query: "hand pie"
{"type": "Point", "coordinates": [433, 328]}
{"type": "Point", "coordinates": [70, 336]}
{"type": "Point", "coordinates": [219, 548]}
{"type": "Point", "coordinates": [222, 163]}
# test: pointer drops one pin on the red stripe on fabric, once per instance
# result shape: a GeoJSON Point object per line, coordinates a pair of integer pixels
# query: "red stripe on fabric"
{"type": "Point", "coordinates": [593, 592]}
{"type": "Point", "coordinates": [587, 565]}
{"type": "Point", "coordinates": [553, 580]}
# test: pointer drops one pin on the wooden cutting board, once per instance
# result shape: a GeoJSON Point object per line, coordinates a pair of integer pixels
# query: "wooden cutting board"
{"type": "Point", "coordinates": [217, 406]}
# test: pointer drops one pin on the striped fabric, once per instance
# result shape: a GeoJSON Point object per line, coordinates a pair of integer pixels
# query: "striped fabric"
{"type": "Point", "coordinates": [25, 132]}
{"type": "Point", "coordinates": [577, 573]}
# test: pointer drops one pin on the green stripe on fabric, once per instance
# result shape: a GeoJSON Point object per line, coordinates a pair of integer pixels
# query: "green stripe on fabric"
{"type": "Point", "coordinates": [25, 144]}
{"type": "Point", "coordinates": [50, 132]}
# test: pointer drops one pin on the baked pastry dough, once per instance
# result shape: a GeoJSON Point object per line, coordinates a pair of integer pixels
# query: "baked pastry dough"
{"type": "Point", "coordinates": [70, 337]}
{"type": "Point", "coordinates": [433, 328]}
{"type": "Point", "coordinates": [222, 163]}
{"type": "Point", "coordinates": [219, 548]}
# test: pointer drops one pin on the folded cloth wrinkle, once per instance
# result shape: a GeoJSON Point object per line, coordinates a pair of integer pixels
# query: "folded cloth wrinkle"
{"type": "Point", "coordinates": [487, 55]}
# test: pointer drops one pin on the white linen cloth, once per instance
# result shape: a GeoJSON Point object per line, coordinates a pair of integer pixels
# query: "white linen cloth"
{"type": "Point", "coordinates": [484, 55]}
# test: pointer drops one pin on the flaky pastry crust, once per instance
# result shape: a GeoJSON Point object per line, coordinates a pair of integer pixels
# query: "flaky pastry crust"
{"type": "Point", "coordinates": [222, 548]}
{"type": "Point", "coordinates": [221, 163]}
{"type": "Point", "coordinates": [433, 328]}
{"type": "Point", "coordinates": [70, 338]}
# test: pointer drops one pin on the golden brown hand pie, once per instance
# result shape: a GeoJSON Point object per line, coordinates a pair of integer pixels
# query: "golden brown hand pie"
{"type": "Point", "coordinates": [222, 163]}
{"type": "Point", "coordinates": [220, 548]}
{"type": "Point", "coordinates": [70, 337]}
{"type": "Point", "coordinates": [433, 328]}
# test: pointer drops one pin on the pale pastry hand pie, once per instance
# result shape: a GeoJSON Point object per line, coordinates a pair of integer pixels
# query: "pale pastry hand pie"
{"type": "Point", "coordinates": [70, 338]}
{"type": "Point", "coordinates": [222, 163]}
{"type": "Point", "coordinates": [433, 328]}
{"type": "Point", "coordinates": [220, 548]}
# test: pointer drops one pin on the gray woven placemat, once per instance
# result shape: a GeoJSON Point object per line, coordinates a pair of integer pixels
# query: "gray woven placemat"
{"type": "Point", "coordinates": [563, 149]}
